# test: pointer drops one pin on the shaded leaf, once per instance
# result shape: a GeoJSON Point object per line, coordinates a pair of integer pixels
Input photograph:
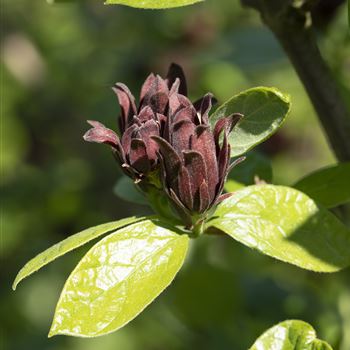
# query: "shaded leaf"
{"type": "Point", "coordinates": [118, 278]}
{"type": "Point", "coordinates": [329, 186]}
{"type": "Point", "coordinates": [152, 4]}
{"type": "Point", "coordinates": [264, 111]}
{"type": "Point", "coordinates": [67, 245]}
{"type": "Point", "coordinates": [285, 224]}
{"type": "Point", "coordinates": [255, 165]}
{"type": "Point", "coordinates": [126, 190]}
{"type": "Point", "coordinates": [290, 335]}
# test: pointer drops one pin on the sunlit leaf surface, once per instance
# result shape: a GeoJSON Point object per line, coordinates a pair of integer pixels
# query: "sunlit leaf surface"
{"type": "Point", "coordinates": [264, 111]}
{"type": "Point", "coordinates": [286, 224]}
{"type": "Point", "coordinates": [118, 278]}
{"type": "Point", "coordinates": [290, 335]}
{"type": "Point", "coordinates": [67, 245]}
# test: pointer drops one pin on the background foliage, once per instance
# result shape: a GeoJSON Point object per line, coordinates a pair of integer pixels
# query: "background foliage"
{"type": "Point", "coordinates": [58, 63]}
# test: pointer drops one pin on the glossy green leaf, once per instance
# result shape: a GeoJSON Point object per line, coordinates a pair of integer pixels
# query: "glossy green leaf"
{"type": "Point", "coordinates": [67, 245]}
{"type": "Point", "coordinates": [285, 224]}
{"type": "Point", "coordinates": [290, 335]}
{"type": "Point", "coordinates": [118, 278]}
{"type": "Point", "coordinates": [126, 190]}
{"type": "Point", "coordinates": [264, 111]}
{"type": "Point", "coordinates": [329, 186]}
{"type": "Point", "coordinates": [153, 4]}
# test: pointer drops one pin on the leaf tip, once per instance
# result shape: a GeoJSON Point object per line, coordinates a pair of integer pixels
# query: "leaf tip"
{"type": "Point", "coordinates": [52, 331]}
{"type": "Point", "coordinates": [16, 282]}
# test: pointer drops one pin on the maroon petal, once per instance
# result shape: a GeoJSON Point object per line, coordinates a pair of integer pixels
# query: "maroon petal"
{"type": "Point", "coordinates": [203, 142]}
{"type": "Point", "coordinates": [176, 203]}
{"type": "Point", "coordinates": [225, 174]}
{"type": "Point", "coordinates": [147, 86]}
{"type": "Point", "coordinates": [184, 190]}
{"type": "Point", "coordinates": [95, 123]}
{"type": "Point", "coordinates": [175, 87]}
{"type": "Point", "coordinates": [157, 95]}
{"type": "Point", "coordinates": [148, 129]}
{"type": "Point", "coordinates": [227, 123]}
{"type": "Point", "coordinates": [138, 156]}
{"type": "Point", "coordinates": [197, 104]}
{"type": "Point", "coordinates": [160, 86]}
{"type": "Point", "coordinates": [146, 114]}
{"type": "Point", "coordinates": [177, 102]}
{"type": "Point", "coordinates": [100, 134]}
{"type": "Point", "coordinates": [172, 161]}
{"type": "Point", "coordinates": [196, 167]}
{"type": "Point", "coordinates": [223, 161]}
{"type": "Point", "coordinates": [127, 104]}
{"type": "Point", "coordinates": [159, 102]}
{"type": "Point", "coordinates": [127, 137]}
{"type": "Point", "coordinates": [185, 113]}
{"type": "Point", "coordinates": [203, 108]}
{"type": "Point", "coordinates": [176, 71]}
{"type": "Point", "coordinates": [195, 164]}
{"type": "Point", "coordinates": [223, 157]}
{"type": "Point", "coordinates": [204, 197]}
{"type": "Point", "coordinates": [181, 135]}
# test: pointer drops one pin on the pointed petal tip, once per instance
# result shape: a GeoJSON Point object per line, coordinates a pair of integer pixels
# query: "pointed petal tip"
{"type": "Point", "coordinates": [89, 136]}
{"type": "Point", "coordinates": [223, 197]}
{"type": "Point", "coordinates": [235, 119]}
{"type": "Point", "coordinates": [100, 134]}
{"type": "Point", "coordinates": [95, 123]}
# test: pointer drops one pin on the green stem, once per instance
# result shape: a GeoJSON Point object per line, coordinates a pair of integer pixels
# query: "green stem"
{"type": "Point", "coordinates": [294, 32]}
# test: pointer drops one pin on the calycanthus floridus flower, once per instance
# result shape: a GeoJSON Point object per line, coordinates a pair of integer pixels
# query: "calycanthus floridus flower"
{"type": "Point", "coordinates": [171, 137]}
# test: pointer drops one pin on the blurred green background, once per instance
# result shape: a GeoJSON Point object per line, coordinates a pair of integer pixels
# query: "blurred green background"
{"type": "Point", "coordinates": [57, 65]}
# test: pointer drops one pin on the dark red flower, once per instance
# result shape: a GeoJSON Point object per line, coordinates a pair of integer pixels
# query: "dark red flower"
{"type": "Point", "coordinates": [195, 159]}
{"type": "Point", "coordinates": [135, 149]}
{"type": "Point", "coordinates": [169, 129]}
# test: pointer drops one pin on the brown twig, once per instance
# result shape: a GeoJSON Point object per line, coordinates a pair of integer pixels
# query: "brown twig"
{"type": "Point", "coordinates": [292, 27]}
